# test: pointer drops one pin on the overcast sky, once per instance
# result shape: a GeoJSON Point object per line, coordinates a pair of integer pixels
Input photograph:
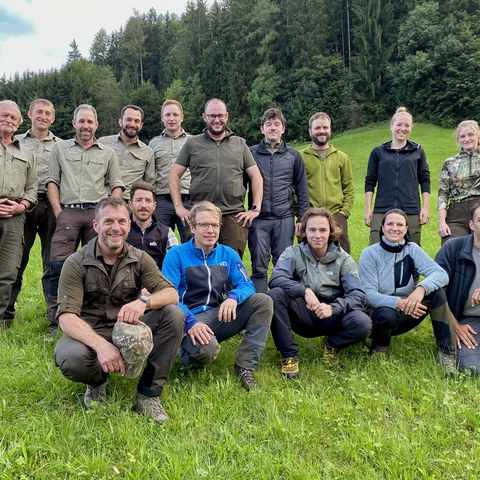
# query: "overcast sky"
{"type": "Point", "coordinates": [35, 34]}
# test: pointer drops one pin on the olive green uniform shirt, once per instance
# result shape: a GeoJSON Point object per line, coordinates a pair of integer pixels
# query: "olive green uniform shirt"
{"type": "Point", "coordinates": [218, 169]}
{"type": "Point", "coordinates": [83, 176]}
{"type": "Point", "coordinates": [166, 150]}
{"type": "Point", "coordinates": [18, 173]}
{"type": "Point", "coordinates": [135, 160]}
{"type": "Point", "coordinates": [89, 291]}
{"type": "Point", "coordinates": [41, 150]}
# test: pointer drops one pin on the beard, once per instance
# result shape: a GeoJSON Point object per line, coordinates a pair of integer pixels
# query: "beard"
{"type": "Point", "coordinates": [212, 130]}
{"type": "Point", "coordinates": [129, 133]}
{"type": "Point", "coordinates": [322, 141]}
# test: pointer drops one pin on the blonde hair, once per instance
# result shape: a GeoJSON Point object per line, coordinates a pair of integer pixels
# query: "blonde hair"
{"type": "Point", "coordinates": [41, 101]}
{"type": "Point", "coordinates": [400, 111]}
{"type": "Point", "coordinates": [470, 124]}
{"type": "Point", "coordinates": [204, 206]}
{"type": "Point", "coordinates": [172, 102]}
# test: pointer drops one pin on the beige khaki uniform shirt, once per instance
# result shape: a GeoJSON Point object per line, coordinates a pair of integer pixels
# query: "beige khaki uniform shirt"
{"type": "Point", "coordinates": [41, 152]}
{"type": "Point", "coordinates": [135, 160]}
{"type": "Point", "coordinates": [83, 176]}
{"type": "Point", "coordinates": [166, 150]}
{"type": "Point", "coordinates": [18, 173]}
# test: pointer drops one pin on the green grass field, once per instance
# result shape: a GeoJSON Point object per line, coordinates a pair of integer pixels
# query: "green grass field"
{"type": "Point", "coordinates": [369, 418]}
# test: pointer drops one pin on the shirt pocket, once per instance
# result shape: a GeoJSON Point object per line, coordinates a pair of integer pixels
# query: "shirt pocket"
{"type": "Point", "coordinates": [126, 291]}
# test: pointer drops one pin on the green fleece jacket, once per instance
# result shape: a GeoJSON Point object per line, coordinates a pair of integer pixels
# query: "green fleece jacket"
{"type": "Point", "coordinates": [330, 182]}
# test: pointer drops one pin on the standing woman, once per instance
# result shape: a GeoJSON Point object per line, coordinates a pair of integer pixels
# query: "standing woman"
{"type": "Point", "coordinates": [396, 168]}
{"type": "Point", "coordinates": [459, 187]}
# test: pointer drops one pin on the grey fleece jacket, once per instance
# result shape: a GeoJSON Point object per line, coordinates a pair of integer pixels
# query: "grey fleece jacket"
{"type": "Point", "coordinates": [388, 276]}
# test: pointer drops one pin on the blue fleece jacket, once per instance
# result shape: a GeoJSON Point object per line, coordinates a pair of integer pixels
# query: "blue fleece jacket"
{"type": "Point", "coordinates": [201, 279]}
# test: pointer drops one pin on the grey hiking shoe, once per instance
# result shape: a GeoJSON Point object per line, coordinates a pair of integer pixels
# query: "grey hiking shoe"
{"type": "Point", "coordinates": [246, 377]}
{"type": "Point", "coordinates": [151, 407]}
{"type": "Point", "coordinates": [95, 396]}
{"type": "Point", "coordinates": [448, 361]}
{"type": "Point", "coordinates": [380, 350]}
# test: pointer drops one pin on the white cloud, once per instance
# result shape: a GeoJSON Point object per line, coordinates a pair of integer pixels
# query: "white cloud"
{"type": "Point", "coordinates": [58, 22]}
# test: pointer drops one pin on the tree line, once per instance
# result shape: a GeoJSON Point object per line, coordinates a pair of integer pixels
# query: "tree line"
{"type": "Point", "coordinates": [355, 59]}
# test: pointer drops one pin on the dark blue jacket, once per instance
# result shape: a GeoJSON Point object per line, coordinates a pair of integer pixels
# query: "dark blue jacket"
{"type": "Point", "coordinates": [284, 177]}
{"type": "Point", "coordinates": [455, 257]}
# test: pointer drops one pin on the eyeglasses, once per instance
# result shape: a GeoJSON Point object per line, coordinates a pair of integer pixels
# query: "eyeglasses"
{"type": "Point", "coordinates": [213, 116]}
{"type": "Point", "coordinates": [206, 226]}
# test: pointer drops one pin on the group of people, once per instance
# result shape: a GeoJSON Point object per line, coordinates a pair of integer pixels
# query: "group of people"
{"type": "Point", "coordinates": [134, 294]}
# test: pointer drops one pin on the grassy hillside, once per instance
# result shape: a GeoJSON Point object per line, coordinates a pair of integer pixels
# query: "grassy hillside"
{"type": "Point", "coordinates": [438, 143]}
{"type": "Point", "coordinates": [369, 418]}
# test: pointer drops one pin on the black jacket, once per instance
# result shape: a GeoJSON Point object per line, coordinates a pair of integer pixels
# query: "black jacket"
{"type": "Point", "coordinates": [284, 177]}
{"type": "Point", "coordinates": [397, 175]}
{"type": "Point", "coordinates": [154, 241]}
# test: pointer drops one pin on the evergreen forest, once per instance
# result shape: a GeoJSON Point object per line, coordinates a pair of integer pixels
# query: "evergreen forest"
{"type": "Point", "coordinates": [355, 59]}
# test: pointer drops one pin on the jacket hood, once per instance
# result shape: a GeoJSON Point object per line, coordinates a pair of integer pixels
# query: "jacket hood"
{"type": "Point", "coordinates": [409, 147]}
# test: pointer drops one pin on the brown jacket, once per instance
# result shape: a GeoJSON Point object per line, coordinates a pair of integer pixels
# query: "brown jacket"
{"type": "Point", "coordinates": [87, 290]}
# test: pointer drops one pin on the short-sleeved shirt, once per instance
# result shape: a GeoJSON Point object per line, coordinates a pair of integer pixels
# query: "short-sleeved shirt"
{"type": "Point", "coordinates": [135, 160]}
{"type": "Point", "coordinates": [218, 170]}
{"type": "Point", "coordinates": [18, 173]}
{"type": "Point", "coordinates": [41, 150]}
{"type": "Point", "coordinates": [83, 175]}
{"type": "Point", "coordinates": [166, 150]}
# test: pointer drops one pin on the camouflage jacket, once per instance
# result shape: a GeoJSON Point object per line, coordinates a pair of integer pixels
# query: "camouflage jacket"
{"type": "Point", "coordinates": [459, 178]}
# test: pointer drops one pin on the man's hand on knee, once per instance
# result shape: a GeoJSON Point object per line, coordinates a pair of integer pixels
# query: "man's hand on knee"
{"type": "Point", "coordinates": [227, 310]}
{"type": "Point", "coordinates": [131, 312]}
{"type": "Point", "coordinates": [110, 358]}
{"type": "Point", "coordinates": [201, 332]}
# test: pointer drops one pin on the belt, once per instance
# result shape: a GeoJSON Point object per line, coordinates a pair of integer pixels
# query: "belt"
{"type": "Point", "coordinates": [166, 196]}
{"type": "Point", "coordinates": [81, 206]}
{"type": "Point", "coordinates": [42, 196]}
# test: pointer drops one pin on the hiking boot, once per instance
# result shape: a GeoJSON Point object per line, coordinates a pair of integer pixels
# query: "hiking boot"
{"type": "Point", "coordinates": [380, 350]}
{"type": "Point", "coordinates": [95, 396]}
{"type": "Point", "coordinates": [330, 353]}
{"type": "Point", "coordinates": [448, 362]}
{"type": "Point", "coordinates": [290, 367]}
{"type": "Point", "coordinates": [6, 322]}
{"type": "Point", "coordinates": [52, 330]}
{"type": "Point", "coordinates": [246, 377]}
{"type": "Point", "coordinates": [151, 407]}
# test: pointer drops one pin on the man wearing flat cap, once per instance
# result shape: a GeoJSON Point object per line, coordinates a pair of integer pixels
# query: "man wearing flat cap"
{"type": "Point", "coordinates": [115, 309]}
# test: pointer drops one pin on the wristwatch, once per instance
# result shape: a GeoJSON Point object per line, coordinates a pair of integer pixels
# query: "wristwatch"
{"type": "Point", "coordinates": [145, 299]}
{"type": "Point", "coordinates": [255, 208]}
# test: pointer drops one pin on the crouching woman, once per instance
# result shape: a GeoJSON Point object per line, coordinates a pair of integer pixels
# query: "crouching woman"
{"type": "Point", "coordinates": [388, 270]}
{"type": "Point", "coordinates": [316, 292]}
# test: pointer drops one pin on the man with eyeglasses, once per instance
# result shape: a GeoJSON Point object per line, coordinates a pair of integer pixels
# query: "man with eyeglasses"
{"type": "Point", "coordinates": [18, 193]}
{"type": "Point", "coordinates": [219, 161]}
{"type": "Point", "coordinates": [200, 270]}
